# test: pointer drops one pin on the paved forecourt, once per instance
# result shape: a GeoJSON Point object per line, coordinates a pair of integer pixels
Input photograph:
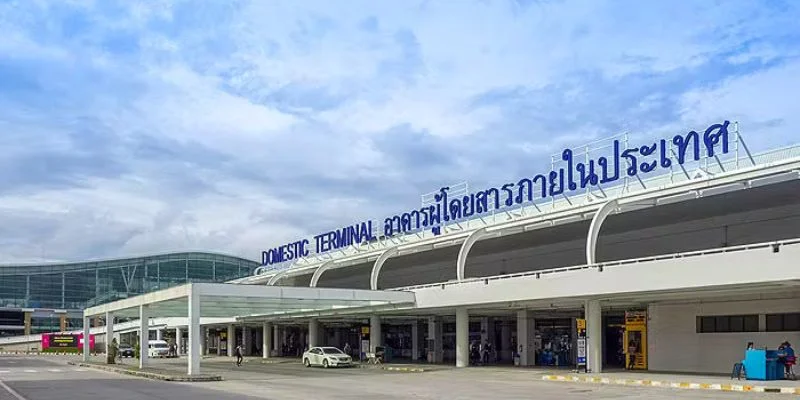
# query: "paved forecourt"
{"type": "Point", "coordinates": [51, 378]}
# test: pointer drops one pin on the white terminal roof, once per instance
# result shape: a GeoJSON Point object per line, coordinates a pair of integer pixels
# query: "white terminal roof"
{"type": "Point", "coordinates": [261, 302]}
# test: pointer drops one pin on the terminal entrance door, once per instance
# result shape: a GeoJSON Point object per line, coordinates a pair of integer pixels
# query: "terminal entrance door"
{"type": "Point", "coordinates": [614, 338]}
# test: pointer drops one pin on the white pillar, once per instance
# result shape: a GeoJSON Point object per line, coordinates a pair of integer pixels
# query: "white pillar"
{"type": "Point", "coordinates": [414, 341]}
{"type": "Point", "coordinates": [276, 337]}
{"type": "Point", "coordinates": [313, 333]}
{"type": "Point", "coordinates": [523, 337]}
{"type": "Point", "coordinates": [484, 329]}
{"type": "Point", "coordinates": [159, 334]}
{"type": "Point", "coordinates": [86, 336]}
{"type": "Point", "coordinates": [231, 339]}
{"type": "Point", "coordinates": [594, 336]}
{"type": "Point", "coordinates": [435, 333]}
{"type": "Point", "coordinates": [144, 336]}
{"type": "Point", "coordinates": [375, 334]}
{"type": "Point", "coordinates": [505, 341]}
{"type": "Point", "coordinates": [266, 339]}
{"type": "Point", "coordinates": [178, 340]}
{"type": "Point", "coordinates": [462, 337]}
{"type": "Point", "coordinates": [109, 331]}
{"type": "Point", "coordinates": [193, 349]}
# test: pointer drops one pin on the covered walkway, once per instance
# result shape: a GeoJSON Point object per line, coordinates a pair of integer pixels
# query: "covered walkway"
{"type": "Point", "coordinates": [196, 300]}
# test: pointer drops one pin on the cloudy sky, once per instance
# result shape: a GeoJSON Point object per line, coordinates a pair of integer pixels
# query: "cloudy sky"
{"type": "Point", "coordinates": [133, 127]}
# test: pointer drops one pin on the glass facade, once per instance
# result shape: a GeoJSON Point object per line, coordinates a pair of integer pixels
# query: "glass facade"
{"type": "Point", "coordinates": [75, 286]}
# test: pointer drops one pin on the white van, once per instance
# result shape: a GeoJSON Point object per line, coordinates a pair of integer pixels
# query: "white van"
{"type": "Point", "coordinates": [158, 348]}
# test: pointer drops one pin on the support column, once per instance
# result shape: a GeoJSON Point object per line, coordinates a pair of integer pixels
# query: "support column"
{"type": "Point", "coordinates": [109, 332]}
{"type": "Point", "coordinates": [484, 330]}
{"type": "Point", "coordinates": [435, 333]}
{"type": "Point", "coordinates": [144, 336]}
{"type": "Point", "coordinates": [27, 316]}
{"type": "Point", "coordinates": [523, 337]}
{"type": "Point", "coordinates": [86, 329]}
{"type": "Point", "coordinates": [159, 334]}
{"type": "Point", "coordinates": [414, 341]}
{"type": "Point", "coordinates": [462, 337]}
{"type": "Point", "coordinates": [246, 342]}
{"type": "Point", "coordinates": [266, 340]}
{"type": "Point", "coordinates": [276, 344]}
{"type": "Point", "coordinates": [375, 334]}
{"type": "Point", "coordinates": [313, 333]}
{"type": "Point", "coordinates": [62, 323]}
{"type": "Point", "coordinates": [594, 336]}
{"type": "Point", "coordinates": [231, 339]}
{"type": "Point", "coordinates": [178, 340]}
{"type": "Point", "coordinates": [193, 349]}
{"type": "Point", "coordinates": [505, 349]}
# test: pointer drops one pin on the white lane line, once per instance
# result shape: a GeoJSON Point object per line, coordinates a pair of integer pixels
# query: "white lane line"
{"type": "Point", "coordinates": [54, 370]}
{"type": "Point", "coordinates": [30, 371]}
{"type": "Point", "coordinates": [4, 371]}
{"type": "Point", "coordinates": [11, 391]}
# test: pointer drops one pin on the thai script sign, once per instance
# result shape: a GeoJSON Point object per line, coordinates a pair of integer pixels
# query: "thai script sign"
{"type": "Point", "coordinates": [570, 176]}
{"type": "Point", "coordinates": [65, 340]}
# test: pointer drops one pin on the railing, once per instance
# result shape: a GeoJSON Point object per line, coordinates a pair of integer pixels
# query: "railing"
{"type": "Point", "coordinates": [603, 265]}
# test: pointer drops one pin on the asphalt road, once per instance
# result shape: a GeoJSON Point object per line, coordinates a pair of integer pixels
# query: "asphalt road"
{"type": "Point", "coordinates": [52, 379]}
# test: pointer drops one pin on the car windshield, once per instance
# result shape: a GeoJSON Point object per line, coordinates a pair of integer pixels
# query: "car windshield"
{"type": "Point", "coordinates": [331, 350]}
{"type": "Point", "coordinates": [160, 346]}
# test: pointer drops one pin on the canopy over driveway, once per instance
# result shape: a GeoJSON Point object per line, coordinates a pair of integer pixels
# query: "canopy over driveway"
{"type": "Point", "coordinates": [197, 300]}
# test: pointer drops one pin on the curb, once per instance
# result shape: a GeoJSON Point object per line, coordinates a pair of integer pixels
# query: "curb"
{"type": "Point", "coordinates": [673, 385]}
{"type": "Point", "coordinates": [151, 375]}
{"type": "Point", "coordinates": [36, 353]}
{"type": "Point", "coordinates": [393, 369]}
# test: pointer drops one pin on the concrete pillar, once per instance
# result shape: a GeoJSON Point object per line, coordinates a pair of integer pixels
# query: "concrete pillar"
{"type": "Point", "coordinates": [414, 341]}
{"type": "Point", "coordinates": [313, 333]}
{"type": "Point", "coordinates": [246, 342]}
{"type": "Point", "coordinates": [594, 336]}
{"type": "Point", "coordinates": [109, 331]}
{"type": "Point", "coordinates": [62, 323]}
{"type": "Point", "coordinates": [523, 337]}
{"type": "Point", "coordinates": [375, 335]}
{"type": "Point", "coordinates": [337, 338]}
{"type": "Point", "coordinates": [159, 334]}
{"type": "Point", "coordinates": [86, 329]}
{"type": "Point", "coordinates": [179, 340]}
{"type": "Point", "coordinates": [144, 336]}
{"type": "Point", "coordinates": [231, 339]}
{"type": "Point", "coordinates": [266, 340]}
{"type": "Point", "coordinates": [484, 330]}
{"type": "Point", "coordinates": [505, 347]}
{"type": "Point", "coordinates": [462, 337]}
{"type": "Point", "coordinates": [27, 316]}
{"type": "Point", "coordinates": [276, 344]}
{"type": "Point", "coordinates": [435, 333]}
{"type": "Point", "coordinates": [193, 349]}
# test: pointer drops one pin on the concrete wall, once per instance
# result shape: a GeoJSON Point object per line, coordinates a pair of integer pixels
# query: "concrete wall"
{"type": "Point", "coordinates": [675, 345]}
{"type": "Point", "coordinates": [568, 249]}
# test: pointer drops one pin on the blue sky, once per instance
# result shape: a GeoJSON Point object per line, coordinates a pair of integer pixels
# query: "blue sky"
{"type": "Point", "coordinates": [132, 127]}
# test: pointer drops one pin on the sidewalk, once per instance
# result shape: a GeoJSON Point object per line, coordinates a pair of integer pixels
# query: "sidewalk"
{"type": "Point", "coordinates": [149, 372]}
{"type": "Point", "coordinates": [677, 381]}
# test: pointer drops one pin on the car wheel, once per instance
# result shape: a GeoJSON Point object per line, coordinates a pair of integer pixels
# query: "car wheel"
{"type": "Point", "coordinates": [325, 363]}
{"type": "Point", "coordinates": [306, 363]}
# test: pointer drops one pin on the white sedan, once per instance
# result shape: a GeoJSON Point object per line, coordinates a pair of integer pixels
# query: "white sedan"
{"type": "Point", "coordinates": [327, 357]}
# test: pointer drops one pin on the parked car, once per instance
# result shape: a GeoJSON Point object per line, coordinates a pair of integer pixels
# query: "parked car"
{"type": "Point", "coordinates": [125, 350]}
{"type": "Point", "coordinates": [326, 357]}
{"type": "Point", "coordinates": [158, 348]}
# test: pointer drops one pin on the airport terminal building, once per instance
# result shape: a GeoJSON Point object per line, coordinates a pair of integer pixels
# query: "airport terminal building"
{"type": "Point", "coordinates": [42, 298]}
{"type": "Point", "coordinates": [677, 252]}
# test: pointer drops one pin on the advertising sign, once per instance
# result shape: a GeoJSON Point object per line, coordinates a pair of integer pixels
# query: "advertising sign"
{"type": "Point", "coordinates": [65, 341]}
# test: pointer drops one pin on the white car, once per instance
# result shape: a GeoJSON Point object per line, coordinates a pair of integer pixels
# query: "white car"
{"type": "Point", "coordinates": [326, 357]}
{"type": "Point", "coordinates": [158, 348]}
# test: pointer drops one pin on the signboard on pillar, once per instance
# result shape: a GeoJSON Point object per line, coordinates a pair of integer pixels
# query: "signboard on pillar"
{"type": "Point", "coordinates": [580, 361]}
{"type": "Point", "coordinates": [636, 339]}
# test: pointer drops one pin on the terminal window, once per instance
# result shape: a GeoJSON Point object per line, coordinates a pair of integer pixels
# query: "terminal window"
{"type": "Point", "coordinates": [788, 322]}
{"type": "Point", "coordinates": [727, 323]}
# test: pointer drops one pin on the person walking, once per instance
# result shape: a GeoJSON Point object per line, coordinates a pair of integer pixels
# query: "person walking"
{"type": "Point", "coordinates": [239, 357]}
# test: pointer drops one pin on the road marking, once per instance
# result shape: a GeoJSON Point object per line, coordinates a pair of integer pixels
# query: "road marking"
{"type": "Point", "coordinates": [54, 370]}
{"type": "Point", "coordinates": [32, 371]}
{"type": "Point", "coordinates": [4, 371]}
{"type": "Point", "coordinates": [11, 391]}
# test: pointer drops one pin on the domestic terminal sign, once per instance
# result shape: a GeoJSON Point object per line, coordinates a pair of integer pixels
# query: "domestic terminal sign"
{"type": "Point", "coordinates": [571, 175]}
